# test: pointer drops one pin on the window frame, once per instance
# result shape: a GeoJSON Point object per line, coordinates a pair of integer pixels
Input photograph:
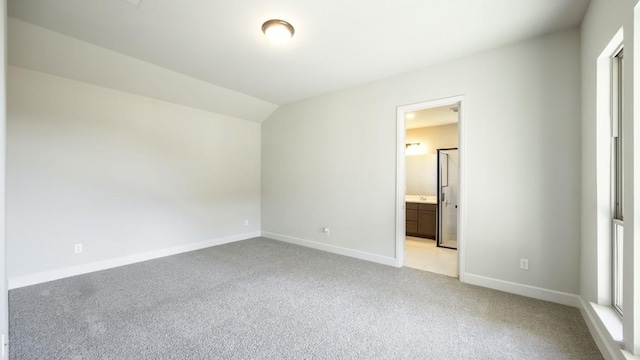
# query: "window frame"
{"type": "Point", "coordinates": [617, 181]}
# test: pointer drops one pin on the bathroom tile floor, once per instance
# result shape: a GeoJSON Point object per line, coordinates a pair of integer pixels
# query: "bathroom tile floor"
{"type": "Point", "coordinates": [423, 254]}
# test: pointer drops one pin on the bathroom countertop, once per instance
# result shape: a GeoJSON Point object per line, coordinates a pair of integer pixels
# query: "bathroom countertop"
{"type": "Point", "coordinates": [421, 199]}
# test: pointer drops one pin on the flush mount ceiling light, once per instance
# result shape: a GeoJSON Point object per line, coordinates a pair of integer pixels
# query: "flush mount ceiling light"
{"type": "Point", "coordinates": [278, 31]}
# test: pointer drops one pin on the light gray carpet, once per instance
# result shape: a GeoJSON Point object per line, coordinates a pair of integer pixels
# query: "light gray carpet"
{"type": "Point", "coordinates": [263, 299]}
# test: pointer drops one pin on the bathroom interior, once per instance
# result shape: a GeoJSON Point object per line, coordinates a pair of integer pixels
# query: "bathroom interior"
{"type": "Point", "coordinates": [432, 188]}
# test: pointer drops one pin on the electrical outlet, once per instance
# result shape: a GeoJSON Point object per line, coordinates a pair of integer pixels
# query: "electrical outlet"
{"type": "Point", "coordinates": [246, 223]}
{"type": "Point", "coordinates": [524, 264]}
{"type": "Point", "coordinates": [78, 248]}
{"type": "Point", "coordinates": [327, 231]}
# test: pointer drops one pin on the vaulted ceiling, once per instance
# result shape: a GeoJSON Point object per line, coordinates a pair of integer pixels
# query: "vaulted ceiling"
{"type": "Point", "coordinates": [337, 43]}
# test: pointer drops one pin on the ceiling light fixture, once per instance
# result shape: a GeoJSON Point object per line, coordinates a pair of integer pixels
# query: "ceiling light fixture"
{"type": "Point", "coordinates": [414, 149]}
{"type": "Point", "coordinates": [410, 115]}
{"type": "Point", "coordinates": [278, 31]}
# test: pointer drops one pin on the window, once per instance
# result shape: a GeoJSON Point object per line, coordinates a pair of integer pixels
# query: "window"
{"type": "Point", "coordinates": [617, 183]}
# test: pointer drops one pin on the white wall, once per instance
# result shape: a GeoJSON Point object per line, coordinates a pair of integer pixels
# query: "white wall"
{"type": "Point", "coordinates": [120, 173]}
{"type": "Point", "coordinates": [4, 296]}
{"type": "Point", "coordinates": [331, 161]}
{"type": "Point", "coordinates": [433, 138]}
{"type": "Point", "coordinates": [421, 169]}
{"type": "Point", "coordinates": [602, 21]}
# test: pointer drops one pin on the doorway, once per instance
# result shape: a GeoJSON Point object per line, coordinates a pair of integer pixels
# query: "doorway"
{"type": "Point", "coordinates": [430, 185]}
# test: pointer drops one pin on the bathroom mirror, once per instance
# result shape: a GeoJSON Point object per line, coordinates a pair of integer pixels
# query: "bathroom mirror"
{"type": "Point", "coordinates": [421, 174]}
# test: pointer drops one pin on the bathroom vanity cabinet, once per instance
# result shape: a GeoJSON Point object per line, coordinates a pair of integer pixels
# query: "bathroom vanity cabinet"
{"type": "Point", "coordinates": [421, 220]}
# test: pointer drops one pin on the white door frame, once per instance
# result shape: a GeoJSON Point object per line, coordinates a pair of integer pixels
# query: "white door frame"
{"type": "Point", "coordinates": [401, 175]}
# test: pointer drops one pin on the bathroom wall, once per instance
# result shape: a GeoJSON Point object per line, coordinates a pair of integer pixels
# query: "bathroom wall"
{"type": "Point", "coordinates": [421, 167]}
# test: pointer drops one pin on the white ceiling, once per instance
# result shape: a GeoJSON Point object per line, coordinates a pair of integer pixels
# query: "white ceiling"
{"type": "Point", "coordinates": [337, 43]}
{"type": "Point", "coordinates": [443, 115]}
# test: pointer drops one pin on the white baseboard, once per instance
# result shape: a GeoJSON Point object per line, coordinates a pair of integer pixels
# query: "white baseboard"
{"type": "Point", "coordinates": [607, 346]}
{"type": "Point", "coordinates": [629, 356]}
{"type": "Point", "coordinates": [524, 290]}
{"type": "Point", "coordinates": [385, 260]}
{"type": "Point", "coordinates": [26, 280]}
{"type": "Point", "coordinates": [599, 333]}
